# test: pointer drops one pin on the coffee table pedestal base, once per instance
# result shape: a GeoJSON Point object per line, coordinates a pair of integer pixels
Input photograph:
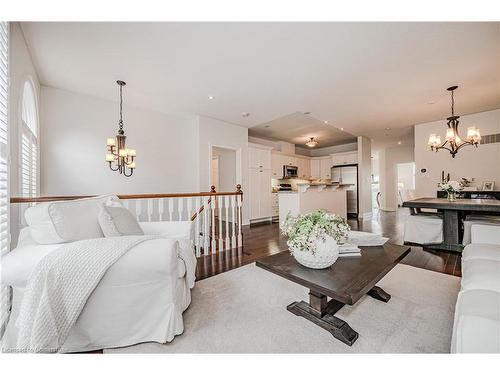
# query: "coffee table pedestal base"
{"type": "Point", "coordinates": [321, 313]}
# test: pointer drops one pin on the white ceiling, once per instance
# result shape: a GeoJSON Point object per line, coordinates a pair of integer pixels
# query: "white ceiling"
{"type": "Point", "coordinates": [298, 128]}
{"type": "Point", "coordinates": [363, 77]}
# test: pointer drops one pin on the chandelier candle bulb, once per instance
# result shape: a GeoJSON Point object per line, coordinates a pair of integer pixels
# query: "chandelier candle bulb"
{"type": "Point", "coordinates": [110, 157]}
{"type": "Point", "coordinates": [131, 152]}
{"type": "Point", "coordinates": [122, 152]}
{"type": "Point", "coordinates": [111, 142]}
{"type": "Point", "coordinates": [132, 165]}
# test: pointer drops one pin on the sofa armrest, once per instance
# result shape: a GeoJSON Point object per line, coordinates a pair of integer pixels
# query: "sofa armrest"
{"type": "Point", "coordinates": [173, 229]}
{"type": "Point", "coordinates": [483, 233]}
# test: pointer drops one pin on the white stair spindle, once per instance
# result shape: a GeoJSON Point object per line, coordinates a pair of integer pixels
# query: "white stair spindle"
{"type": "Point", "coordinates": [197, 221]}
{"type": "Point", "coordinates": [170, 208]}
{"type": "Point", "coordinates": [226, 207]}
{"type": "Point", "coordinates": [240, 237]}
{"type": "Point", "coordinates": [180, 208]}
{"type": "Point", "coordinates": [206, 236]}
{"type": "Point", "coordinates": [138, 209]}
{"type": "Point", "coordinates": [233, 221]}
{"type": "Point", "coordinates": [150, 209]}
{"type": "Point", "coordinates": [161, 208]}
{"type": "Point", "coordinates": [212, 224]}
{"type": "Point", "coordinates": [189, 208]}
{"type": "Point", "coordinates": [221, 236]}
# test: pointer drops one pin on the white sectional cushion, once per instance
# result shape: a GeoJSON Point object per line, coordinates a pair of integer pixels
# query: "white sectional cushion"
{"type": "Point", "coordinates": [481, 274]}
{"type": "Point", "coordinates": [481, 251]}
{"type": "Point", "coordinates": [477, 322]}
{"type": "Point", "coordinates": [66, 221]}
{"type": "Point", "coordinates": [117, 220]}
{"type": "Point", "coordinates": [481, 233]}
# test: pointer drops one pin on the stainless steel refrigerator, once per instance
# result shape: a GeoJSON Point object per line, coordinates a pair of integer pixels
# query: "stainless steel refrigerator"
{"type": "Point", "coordinates": [347, 175]}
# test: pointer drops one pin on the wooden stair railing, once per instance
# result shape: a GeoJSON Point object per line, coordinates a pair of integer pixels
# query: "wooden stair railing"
{"type": "Point", "coordinates": [211, 232]}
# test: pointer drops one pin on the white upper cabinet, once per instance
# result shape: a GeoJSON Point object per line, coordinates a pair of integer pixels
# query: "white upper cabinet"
{"type": "Point", "coordinates": [277, 162]}
{"type": "Point", "coordinates": [259, 157]}
{"type": "Point", "coordinates": [343, 158]}
{"type": "Point", "coordinates": [325, 166]}
{"type": "Point", "coordinates": [315, 168]}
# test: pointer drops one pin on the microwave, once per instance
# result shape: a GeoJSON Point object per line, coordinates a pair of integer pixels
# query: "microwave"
{"type": "Point", "coordinates": [290, 171]}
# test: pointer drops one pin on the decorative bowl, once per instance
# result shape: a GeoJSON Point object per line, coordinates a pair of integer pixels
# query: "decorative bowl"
{"type": "Point", "coordinates": [326, 253]}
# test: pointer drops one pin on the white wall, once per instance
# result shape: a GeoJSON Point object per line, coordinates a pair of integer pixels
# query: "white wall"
{"type": "Point", "coordinates": [364, 177]}
{"type": "Point", "coordinates": [21, 69]}
{"type": "Point", "coordinates": [73, 146]}
{"type": "Point", "coordinates": [214, 132]}
{"type": "Point", "coordinates": [389, 158]}
{"type": "Point", "coordinates": [483, 163]}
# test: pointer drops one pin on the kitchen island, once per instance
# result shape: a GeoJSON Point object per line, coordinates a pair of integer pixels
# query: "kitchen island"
{"type": "Point", "coordinates": [312, 197]}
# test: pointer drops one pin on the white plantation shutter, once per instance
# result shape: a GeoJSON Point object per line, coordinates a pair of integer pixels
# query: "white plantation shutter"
{"type": "Point", "coordinates": [29, 143]}
{"type": "Point", "coordinates": [4, 161]}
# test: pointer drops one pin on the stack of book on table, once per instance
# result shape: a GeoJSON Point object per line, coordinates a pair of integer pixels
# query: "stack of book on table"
{"type": "Point", "coordinates": [354, 239]}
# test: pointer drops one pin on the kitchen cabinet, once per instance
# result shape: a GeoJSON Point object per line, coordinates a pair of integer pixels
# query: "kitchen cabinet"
{"type": "Point", "coordinates": [343, 158]}
{"type": "Point", "coordinates": [315, 168]}
{"type": "Point", "coordinates": [304, 167]}
{"type": "Point", "coordinates": [259, 157]}
{"type": "Point", "coordinates": [325, 166]}
{"type": "Point", "coordinates": [277, 162]}
{"type": "Point", "coordinates": [260, 195]}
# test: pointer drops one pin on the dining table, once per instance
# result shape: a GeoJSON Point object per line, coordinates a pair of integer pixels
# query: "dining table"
{"type": "Point", "coordinates": [453, 213]}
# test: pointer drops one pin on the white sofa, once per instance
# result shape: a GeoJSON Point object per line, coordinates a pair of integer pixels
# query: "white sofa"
{"type": "Point", "coordinates": [477, 313]}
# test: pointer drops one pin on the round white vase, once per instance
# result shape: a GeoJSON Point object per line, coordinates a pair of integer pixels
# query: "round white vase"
{"type": "Point", "coordinates": [324, 256]}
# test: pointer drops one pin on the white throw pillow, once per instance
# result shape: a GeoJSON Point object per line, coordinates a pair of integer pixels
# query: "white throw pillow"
{"type": "Point", "coordinates": [116, 220]}
{"type": "Point", "coordinates": [66, 221]}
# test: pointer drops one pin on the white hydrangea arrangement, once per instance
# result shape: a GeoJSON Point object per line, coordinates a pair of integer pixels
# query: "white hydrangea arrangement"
{"type": "Point", "coordinates": [304, 231]}
{"type": "Point", "coordinates": [451, 186]}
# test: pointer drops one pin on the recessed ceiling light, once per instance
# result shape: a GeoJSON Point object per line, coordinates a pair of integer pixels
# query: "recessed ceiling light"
{"type": "Point", "coordinates": [210, 97]}
{"type": "Point", "coordinates": [431, 102]}
{"type": "Point", "coordinates": [326, 122]}
{"type": "Point", "coordinates": [342, 129]}
{"type": "Point", "coordinates": [245, 114]}
{"type": "Point", "coordinates": [267, 126]}
{"type": "Point", "coordinates": [387, 128]}
{"type": "Point", "coordinates": [399, 142]}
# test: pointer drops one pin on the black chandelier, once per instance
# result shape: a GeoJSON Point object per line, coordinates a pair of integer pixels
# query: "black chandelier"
{"type": "Point", "coordinates": [119, 157]}
{"type": "Point", "coordinates": [453, 142]}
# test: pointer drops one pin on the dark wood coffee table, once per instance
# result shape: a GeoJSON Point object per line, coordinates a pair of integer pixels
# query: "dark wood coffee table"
{"type": "Point", "coordinates": [345, 282]}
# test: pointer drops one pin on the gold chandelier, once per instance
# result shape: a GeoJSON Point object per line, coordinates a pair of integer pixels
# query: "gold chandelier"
{"type": "Point", "coordinates": [312, 142]}
{"type": "Point", "coordinates": [119, 157]}
{"type": "Point", "coordinates": [453, 142]}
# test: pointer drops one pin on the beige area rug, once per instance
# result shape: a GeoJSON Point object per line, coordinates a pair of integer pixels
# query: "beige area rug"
{"type": "Point", "coordinates": [244, 311]}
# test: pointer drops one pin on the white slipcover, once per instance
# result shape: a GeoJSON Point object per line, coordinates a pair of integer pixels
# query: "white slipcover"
{"type": "Point", "coordinates": [423, 229]}
{"type": "Point", "coordinates": [476, 327]}
{"type": "Point", "coordinates": [480, 220]}
{"type": "Point", "coordinates": [140, 298]}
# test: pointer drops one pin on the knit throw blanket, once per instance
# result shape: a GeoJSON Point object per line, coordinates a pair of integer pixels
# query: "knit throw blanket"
{"type": "Point", "coordinates": [59, 287]}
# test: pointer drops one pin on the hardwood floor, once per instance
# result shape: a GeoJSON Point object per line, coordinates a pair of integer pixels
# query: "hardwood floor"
{"type": "Point", "coordinates": [264, 239]}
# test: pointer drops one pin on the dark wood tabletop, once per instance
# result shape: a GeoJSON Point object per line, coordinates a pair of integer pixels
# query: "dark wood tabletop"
{"type": "Point", "coordinates": [348, 279]}
{"type": "Point", "coordinates": [461, 204]}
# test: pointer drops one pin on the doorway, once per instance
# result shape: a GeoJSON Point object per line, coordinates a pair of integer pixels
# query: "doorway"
{"type": "Point", "coordinates": [406, 182]}
{"type": "Point", "coordinates": [223, 169]}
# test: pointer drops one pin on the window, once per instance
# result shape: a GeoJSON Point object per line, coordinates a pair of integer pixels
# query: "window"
{"type": "Point", "coordinates": [4, 161]}
{"type": "Point", "coordinates": [29, 143]}
{"type": "Point", "coordinates": [4, 152]}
